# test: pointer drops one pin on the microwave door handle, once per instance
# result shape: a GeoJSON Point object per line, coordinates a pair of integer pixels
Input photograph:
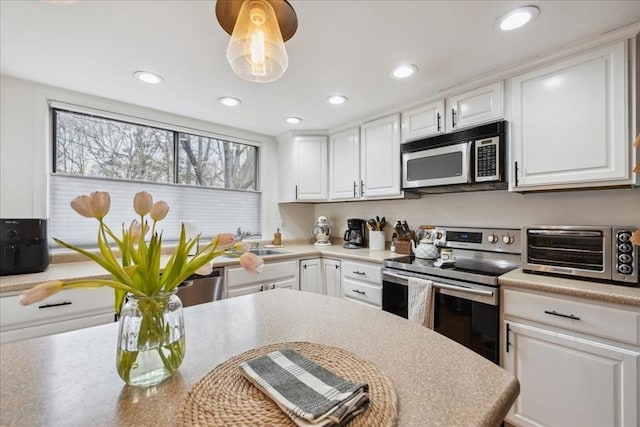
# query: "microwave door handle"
{"type": "Point", "coordinates": [466, 162]}
{"type": "Point", "coordinates": [565, 232]}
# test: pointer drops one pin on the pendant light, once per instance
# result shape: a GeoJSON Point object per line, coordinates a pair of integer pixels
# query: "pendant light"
{"type": "Point", "coordinates": [258, 30]}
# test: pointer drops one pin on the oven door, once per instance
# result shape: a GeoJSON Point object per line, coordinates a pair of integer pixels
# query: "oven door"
{"type": "Point", "coordinates": [464, 312]}
{"type": "Point", "coordinates": [437, 166]}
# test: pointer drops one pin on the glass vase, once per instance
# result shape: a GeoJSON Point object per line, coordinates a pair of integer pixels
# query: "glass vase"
{"type": "Point", "coordinates": [151, 342]}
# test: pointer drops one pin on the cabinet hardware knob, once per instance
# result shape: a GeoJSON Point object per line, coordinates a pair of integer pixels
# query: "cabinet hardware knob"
{"type": "Point", "coordinates": [361, 273]}
{"type": "Point", "coordinates": [361, 188]}
{"type": "Point", "coordinates": [453, 117]}
{"type": "Point", "coordinates": [273, 286]}
{"type": "Point", "coordinates": [438, 116]}
{"type": "Point", "coordinates": [55, 304]}
{"type": "Point", "coordinates": [354, 189]}
{"type": "Point", "coordinates": [357, 291]}
{"type": "Point", "coordinates": [261, 288]}
{"type": "Point", "coordinates": [568, 316]}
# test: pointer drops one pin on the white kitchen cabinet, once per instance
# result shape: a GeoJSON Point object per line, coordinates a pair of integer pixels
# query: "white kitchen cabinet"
{"type": "Point", "coordinates": [480, 105]}
{"type": "Point", "coordinates": [380, 157]}
{"type": "Point", "coordinates": [577, 361]}
{"type": "Point", "coordinates": [344, 164]}
{"type": "Point", "coordinates": [331, 269]}
{"type": "Point", "coordinates": [304, 169]}
{"type": "Point", "coordinates": [569, 124]}
{"type": "Point", "coordinates": [362, 282]}
{"type": "Point", "coordinates": [423, 121]}
{"type": "Point", "coordinates": [279, 274]}
{"type": "Point", "coordinates": [311, 276]}
{"type": "Point", "coordinates": [65, 311]}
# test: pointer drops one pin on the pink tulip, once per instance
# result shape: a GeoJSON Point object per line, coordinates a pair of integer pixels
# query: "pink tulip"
{"type": "Point", "coordinates": [205, 269]}
{"type": "Point", "coordinates": [241, 246]}
{"type": "Point", "coordinates": [136, 230]}
{"type": "Point", "coordinates": [142, 203]}
{"type": "Point", "coordinates": [159, 210]}
{"type": "Point", "coordinates": [224, 241]}
{"type": "Point", "coordinates": [40, 292]}
{"type": "Point", "coordinates": [100, 204]}
{"type": "Point", "coordinates": [82, 205]}
{"type": "Point", "coordinates": [635, 237]}
{"type": "Point", "coordinates": [252, 263]}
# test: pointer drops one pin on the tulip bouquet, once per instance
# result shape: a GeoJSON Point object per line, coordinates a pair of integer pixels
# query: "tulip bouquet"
{"type": "Point", "coordinates": [151, 340]}
{"type": "Point", "coordinates": [138, 270]}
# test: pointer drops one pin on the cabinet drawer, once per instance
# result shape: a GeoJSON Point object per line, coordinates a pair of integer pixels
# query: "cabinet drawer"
{"type": "Point", "coordinates": [66, 304]}
{"type": "Point", "coordinates": [618, 324]}
{"type": "Point", "coordinates": [362, 292]}
{"type": "Point", "coordinates": [239, 276]}
{"type": "Point", "coordinates": [362, 272]}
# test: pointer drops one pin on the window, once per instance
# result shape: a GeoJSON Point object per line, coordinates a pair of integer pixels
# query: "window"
{"type": "Point", "coordinates": [209, 180]}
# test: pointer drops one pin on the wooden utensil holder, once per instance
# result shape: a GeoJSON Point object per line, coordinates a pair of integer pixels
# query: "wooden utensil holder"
{"type": "Point", "coordinates": [403, 246]}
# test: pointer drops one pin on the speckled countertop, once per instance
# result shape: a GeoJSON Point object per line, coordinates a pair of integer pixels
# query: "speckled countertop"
{"type": "Point", "coordinates": [70, 378]}
{"type": "Point", "coordinates": [65, 270]}
{"type": "Point", "coordinates": [604, 292]}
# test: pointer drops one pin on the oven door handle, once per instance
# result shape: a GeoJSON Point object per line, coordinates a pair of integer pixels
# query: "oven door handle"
{"type": "Point", "coordinates": [479, 292]}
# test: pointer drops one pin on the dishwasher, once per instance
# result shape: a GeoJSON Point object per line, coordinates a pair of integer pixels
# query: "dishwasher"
{"type": "Point", "coordinates": [200, 289]}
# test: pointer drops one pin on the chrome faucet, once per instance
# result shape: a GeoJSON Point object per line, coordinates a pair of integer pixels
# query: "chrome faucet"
{"type": "Point", "coordinates": [242, 234]}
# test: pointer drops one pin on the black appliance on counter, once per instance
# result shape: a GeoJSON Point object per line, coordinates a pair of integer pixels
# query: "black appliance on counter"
{"type": "Point", "coordinates": [466, 295]}
{"type": "Point", "coordinates": [354, 236]}
{"type": "Point", "coordinates": [23, 246]}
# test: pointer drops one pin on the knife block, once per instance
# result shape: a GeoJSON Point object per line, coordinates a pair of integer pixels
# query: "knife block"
{"type": "Point", "coordinates": [403, 245]}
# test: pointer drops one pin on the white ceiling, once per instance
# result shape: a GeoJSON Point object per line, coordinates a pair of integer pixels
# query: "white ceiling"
{"type": "Point", "coordinates": [346, 47]}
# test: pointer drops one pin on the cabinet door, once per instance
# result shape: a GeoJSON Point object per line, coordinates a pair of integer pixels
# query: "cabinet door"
{"type": "Point", "coordinates": [569, 126]}
{"type": "Point", "coordinates": [344, 165]}
{"type": "Point", "coordinates": [380, 157]}
{"type": "Point", "coordinates": [331, 270]}
{"type": "Point", "coordinates": [423, 121]}
{"type": "Point", "coordinates": [310, 162]}
{"type": "Point", "coordinates": [566, 380]}
{"type": "Point", "coordinates": [311, 276]}
{"type": "Point", "coordinates": [476, 106]}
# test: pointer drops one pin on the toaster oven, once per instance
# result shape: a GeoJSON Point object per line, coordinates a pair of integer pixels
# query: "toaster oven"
{"type": "Point", "coordinates": [590, 252]}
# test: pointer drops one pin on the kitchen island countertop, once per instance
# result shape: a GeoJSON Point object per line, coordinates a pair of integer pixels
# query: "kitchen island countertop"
{"type": "Point", "coordinates": [70, 378]}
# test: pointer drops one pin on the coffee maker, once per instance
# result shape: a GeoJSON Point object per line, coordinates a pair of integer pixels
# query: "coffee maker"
{"type": "Point", "coordinates": [354, 236]}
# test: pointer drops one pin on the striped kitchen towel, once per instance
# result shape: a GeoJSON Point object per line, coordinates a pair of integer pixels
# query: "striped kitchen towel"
{"type": "Point", "coordinates": [307, 392]}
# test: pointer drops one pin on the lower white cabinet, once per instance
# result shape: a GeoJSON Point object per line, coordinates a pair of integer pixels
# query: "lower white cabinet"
{"type": "Point", "coordinates": [282, 274]}
{"type": "Point", "coordinates": [320, 275]}
{"type": "Point", "coordinates": [362, 282]}
{"type": "Point", "coordinates": [65, 311]}
{"type": "Point", "coordinates": [569, 377]}
{"type": "Point", "coordinates": [331, 269]}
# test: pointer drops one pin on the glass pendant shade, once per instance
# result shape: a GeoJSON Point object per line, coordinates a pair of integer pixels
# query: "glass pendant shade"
{"type": "Point", "coordinates": [256, 50]}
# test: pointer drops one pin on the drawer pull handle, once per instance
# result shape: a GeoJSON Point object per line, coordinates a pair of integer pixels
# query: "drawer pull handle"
{"type": "Point", "coordinates": [55, 305]}
{"type": "Point", "coordinates": [273, 286]}
{"type": "Point", "coordinates": [361, 273]}
{"type": "Point", "coordinates": [568, 316]}
{"type": "Point", "coordinates": [357, 291]}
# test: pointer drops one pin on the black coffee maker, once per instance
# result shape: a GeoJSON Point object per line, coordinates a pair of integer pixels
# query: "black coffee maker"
{"type": "Point", "coordinates": [354, 236]}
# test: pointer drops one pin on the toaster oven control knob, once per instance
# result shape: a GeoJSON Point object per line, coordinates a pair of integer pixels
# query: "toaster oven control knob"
{"type": "Point", "coordinates": [624, 236]}
{"type": "Point", "coordinates": [11, 234]}
{"type": "Point", "coordinates": [625, 269]}
{"type": "Point", "coordinates": [506, 239]}
{"type": "Point", "coordinates": [624, 248]}
{"type": "Point", "coordinates": [492, 238]}
{"type": "Point", "coordinates": [625, 258]}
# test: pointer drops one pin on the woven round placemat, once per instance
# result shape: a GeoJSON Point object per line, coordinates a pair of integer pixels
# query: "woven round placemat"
{"type": "Point", "coordinates": [224, 397]}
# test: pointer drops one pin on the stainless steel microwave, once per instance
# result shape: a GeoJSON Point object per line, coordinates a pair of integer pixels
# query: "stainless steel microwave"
{"type": "Point", "coordinates": [471, 159]}
{"type": "Point", "coordinates": [589, 252]}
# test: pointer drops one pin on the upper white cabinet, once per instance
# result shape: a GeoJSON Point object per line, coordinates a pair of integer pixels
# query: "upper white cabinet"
{"type": "Point", "coordinates": [380, 157]}
{"type": "Point", "coordinates": [423, 121]}
{"type": "Point", "coordinates": [344, 164]}
{"type": "Point", "coordinates": [304, 169]}
{"type": "Point", "coordinates": [365, 162]}
{"type": "Point", "coordinates": [475, 106]}
{"type": "Point", "coordinates": [569, 124]}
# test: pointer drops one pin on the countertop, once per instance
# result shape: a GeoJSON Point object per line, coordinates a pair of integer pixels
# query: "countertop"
{"type": "Point", "coordinates": [10, 285]}
{"type": "Point", "coordinates": [617, 294]}
{"type": "Point", "coordinates": [70, 378]}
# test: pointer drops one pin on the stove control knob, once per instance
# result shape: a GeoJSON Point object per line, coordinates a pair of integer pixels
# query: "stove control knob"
{"type": "Point", "coordinates": [506, 239]}
{"type": "Point", "coordinates": [492, 238]}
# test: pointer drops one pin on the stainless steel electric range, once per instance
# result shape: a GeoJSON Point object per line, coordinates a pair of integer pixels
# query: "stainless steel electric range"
{"type": "Point", "coordinates": [466, 297]}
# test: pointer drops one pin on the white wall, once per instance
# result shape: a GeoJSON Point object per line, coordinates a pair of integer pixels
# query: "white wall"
{"type": "Point", "coordinates": [493, 209]}
{"type": "Point", "coordinates": [25, 146]}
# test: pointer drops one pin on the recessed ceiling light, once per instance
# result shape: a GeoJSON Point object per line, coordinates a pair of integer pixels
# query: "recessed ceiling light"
{"type": "Point", "coordinates": [294, 120]}
{"type": "Point", "coordinates": [517, 18]}
{"type": "Point", "coordinates": [229, 101]}
{"type": "Point", "coordinates": [337, 99]}
{"type": "Point", "coordinates": [148, 77]}
{"type": "Point", "coordinates": [404, 71]}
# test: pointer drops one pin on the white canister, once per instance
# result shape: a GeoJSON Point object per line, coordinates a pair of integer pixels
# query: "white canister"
{"type": "Point", "coordinates": [376, 240]}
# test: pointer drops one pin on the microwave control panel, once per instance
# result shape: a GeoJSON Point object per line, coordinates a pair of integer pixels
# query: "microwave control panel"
{"type": "Point", "coordinates": [487, 153]}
